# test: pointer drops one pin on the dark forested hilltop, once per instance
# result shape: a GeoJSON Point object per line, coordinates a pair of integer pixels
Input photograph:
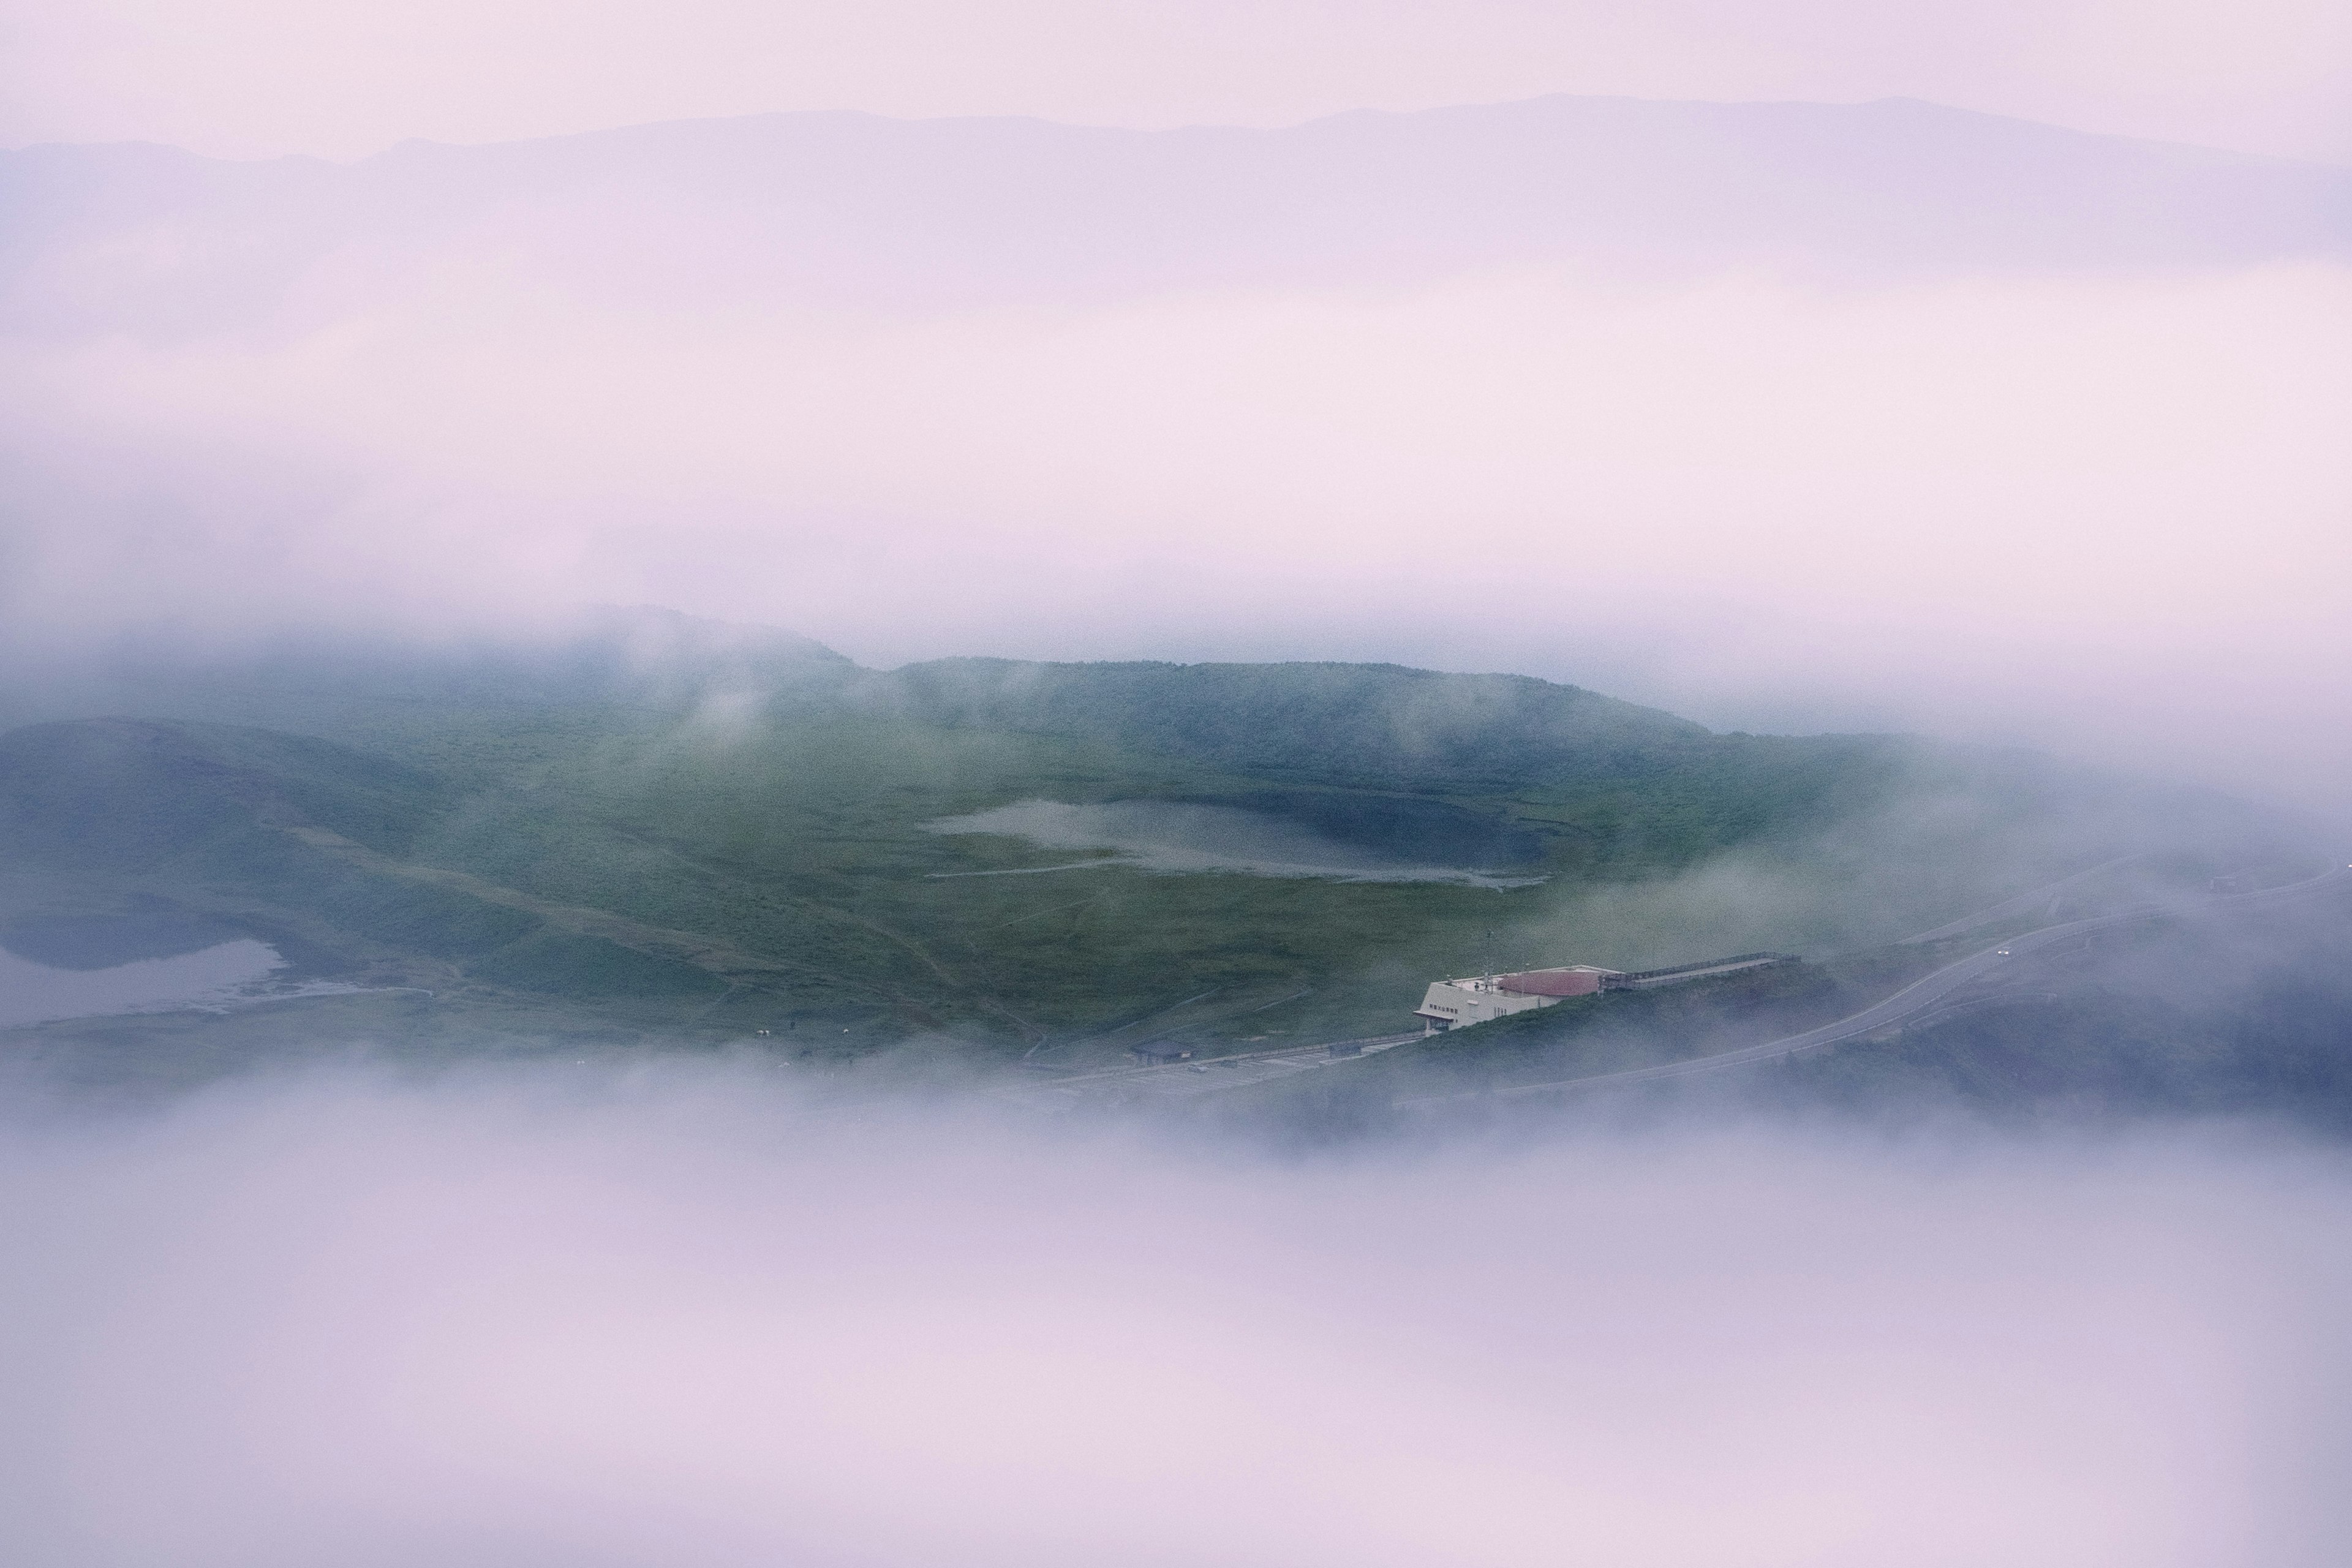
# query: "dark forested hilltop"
{"type": "Point", "coordinates": [827, 207]}
{"type": "Point", "coordinates": [1361, 723]}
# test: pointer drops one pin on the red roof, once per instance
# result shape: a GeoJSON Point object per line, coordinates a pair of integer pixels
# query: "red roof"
{"type": "Point", "coordinates": [1574, 980]}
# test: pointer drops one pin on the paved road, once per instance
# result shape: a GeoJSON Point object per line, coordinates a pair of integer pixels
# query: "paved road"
{"type": "Point", "coordinates": [1914, 998]}
{"type": "Point", "coordinates": [2026, 902]}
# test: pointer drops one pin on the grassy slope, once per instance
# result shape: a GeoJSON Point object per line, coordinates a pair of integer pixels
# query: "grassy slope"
{"type": "Point", "coordinates": [625, 864]}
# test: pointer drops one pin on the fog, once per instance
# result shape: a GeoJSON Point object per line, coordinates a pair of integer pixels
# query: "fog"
{"type": "Point", "coordinates": [259, 78]}
{"type": "Point", "coordinates": [1864, 435]}
{"type": "Point", "coordinates": [1782, 416]}
{"type": "Point", "coordinates": [2100, 513]}
{"type": "Point", "coordinates": [1817, 367]}
{"type": "Point", "coordinates": [670, 1317]}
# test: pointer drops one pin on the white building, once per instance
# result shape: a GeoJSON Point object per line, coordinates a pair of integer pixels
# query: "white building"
{"type": "Point", "coordinates": [1456, 1003]}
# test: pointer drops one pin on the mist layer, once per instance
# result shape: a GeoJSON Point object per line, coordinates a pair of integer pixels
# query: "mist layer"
{"type": "Point", "coordinates": [677, 1321]}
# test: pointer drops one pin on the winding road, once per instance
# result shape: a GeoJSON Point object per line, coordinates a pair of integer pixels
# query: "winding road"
{"type": "Point", "coordinates": [1913, 999]}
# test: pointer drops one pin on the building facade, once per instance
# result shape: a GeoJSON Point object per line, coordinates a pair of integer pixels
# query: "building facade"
{"type": "Point", "coordinates": [1456, 1003]}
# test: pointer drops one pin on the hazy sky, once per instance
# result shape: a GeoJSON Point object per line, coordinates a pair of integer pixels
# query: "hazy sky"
{"type": "Point", "coordinates": [2107, 509]}
{"type": "Point", "coordinates": [2109, 513]}
{"type": "Point", "coordinates": [258, 77]}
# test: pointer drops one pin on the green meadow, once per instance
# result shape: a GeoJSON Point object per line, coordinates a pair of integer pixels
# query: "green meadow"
{"type": "Point", "coordinates": [606, 864]}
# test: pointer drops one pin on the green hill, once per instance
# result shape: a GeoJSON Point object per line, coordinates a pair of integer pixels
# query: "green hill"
{"type": "Point", "coordinates": [672, 831]}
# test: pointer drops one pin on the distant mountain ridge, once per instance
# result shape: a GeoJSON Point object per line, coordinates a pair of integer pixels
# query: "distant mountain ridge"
{"type": "Point", "coordinates": [834, 207]}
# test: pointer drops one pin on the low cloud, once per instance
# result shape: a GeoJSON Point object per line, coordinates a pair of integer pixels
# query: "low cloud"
{"type": "Point", "coordinates": [2101, 511]}
{"type": "Point", "coordinates": [671, 1317]}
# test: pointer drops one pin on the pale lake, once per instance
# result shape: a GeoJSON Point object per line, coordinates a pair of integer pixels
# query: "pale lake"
{"type": "Point", "coordinates": [217, 976]}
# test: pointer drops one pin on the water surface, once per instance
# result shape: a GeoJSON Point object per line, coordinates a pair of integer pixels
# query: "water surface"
{"type": "Point", "coordinates": [216, 976]}
{"type": "Point", "coordinates": [1176, 837]}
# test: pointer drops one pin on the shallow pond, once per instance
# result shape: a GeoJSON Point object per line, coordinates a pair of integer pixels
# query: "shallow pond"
{"type": "Point", "coordinates": [220, 975]}
{"type": "Point", "coordinates": [1179, 836]}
